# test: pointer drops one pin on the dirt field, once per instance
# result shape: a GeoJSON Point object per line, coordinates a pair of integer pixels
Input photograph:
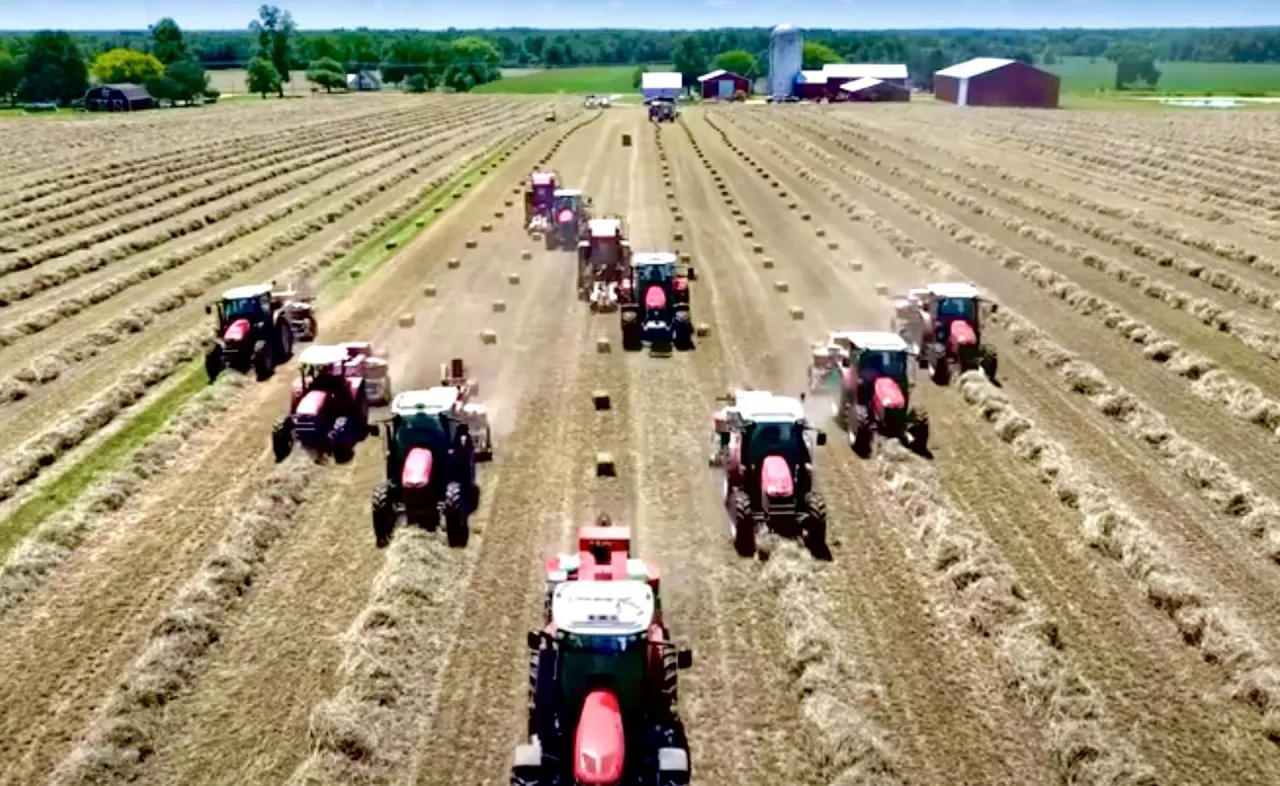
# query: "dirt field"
{"type": "Point", "coordinates": [1079, 586]}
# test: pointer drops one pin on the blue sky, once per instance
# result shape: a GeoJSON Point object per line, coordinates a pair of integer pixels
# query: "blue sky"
{"type": "Point", "coordinates": [434, 14]}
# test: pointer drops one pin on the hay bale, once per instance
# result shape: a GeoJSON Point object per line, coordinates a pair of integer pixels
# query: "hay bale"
{"type": "Point", "coordinates": [454, 263]}
{"type": "Point", "coordinates": [354, 274]}
{"type": "Point", "coordinates": [677, 218]}
{"type": "Point", "coordinates": [797, 312]}
{"type": "Point", "coordinates": [820, 232]}
{"type": "Point", "coordinates": [737, 211]}
{"type": "Point", "coordinates": [757, 248]}
{"type": "Point", "coordinates": [438, 209]}
{"type": "Point", "coordinates": [792, 206]}
{"type": "Point", "coordinates": [600, 400]}
{"type": "Point", "coordinates": [488, 337]}
{"type": "Point", "coordinates": [855, 266]}
{"type": "Point", "coordinates": [499, 213]}
{"type": "Point", "coordinates": [499, 306]}
{"type": "Point", "coordinates": [513, 278]}
{"type": "Point", "coordinates": [605, 468]}
{"type": "Point", "coordinates": [767, 263]}
{"type": "Point", "coordinates": [486, 227]}
{"type": "Point", "coordinates": [457, 195]}
{"type": "Point", "coordinates": [472, 242]}
{"type": "Point", "coordinates": [420, 223]}
{"type": "Point", "coordinates": [832, 245]}
{"type": "Point", "coordinates": [677, 236]}
{"type": "Point", "coordinates": [805, 216]}
{"type": "Point", "coordinates": [742, 221]}
{"type": "Point", "coordinates": [429, 290]}
{"type": "Point", "coordinates": [781, 286]}
{"type": "Point", "coordinates": [882, 289]}
{"type": "Point", "coordinates": [703, 330]}
{"type": "Point", "coordinates": [406, 320]}
{"type": "Point", "coordinates": [603, 346]}
{"type": "Point", "coordinates": [526, 254]}
{"type": "Point", "coordinates": [507, 203]}
{"type": "Point", "coordinates": [748, 232]}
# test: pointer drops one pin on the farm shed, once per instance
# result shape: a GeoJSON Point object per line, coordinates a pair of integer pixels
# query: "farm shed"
{"type": "Point", "coordinates": [661, 84]}
{"type": "Point", "coordinates": [123, 97]}
{"type": "Point", "coordinates": [870, 89]}
{"type": "Point", "coordinates": [811, 85]}
{"type": "Point", "coordinates": [838, 73]}
{"type": "Point", "coordinates": [994, 81]}
{"type": "Point", "coordinates": [364, 80]}
{"type": "Point", "coordinates": [723, 84]}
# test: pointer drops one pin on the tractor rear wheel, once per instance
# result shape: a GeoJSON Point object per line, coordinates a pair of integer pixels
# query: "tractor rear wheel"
{"type": "Point", "coordinates": [990, 362]}
{"type": "Point", "coordinates": [682, 330]}
{"type": "Point", "coordinates": [342, 441]}
{"type": "Point", "coordinates": [861, 432]}
{"type": "Point", "coordinates": [744, 524]}
{"type": "Point", "coordinates": [939, 369]}
{"type": "Point", "coordinates": [631, 340]}
{"type": "Point", "coordinates": [262, 364]}
{"type": "Point", "coordinates": [286, 340]}
{"type": "Point", "coordinates": [384, 514]}
{"type": "Point", "coordinates": [214, 362]}
{"type": "Point", "coordinates": [282, 438]}
{"type": "Point", "coordinates": [919, 432]}
{"type": "Point", "coordinates": [814, 525]}
{"type": "Point", "coordinates": [455, 515]}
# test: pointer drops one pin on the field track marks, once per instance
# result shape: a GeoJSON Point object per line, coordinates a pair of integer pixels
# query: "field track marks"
{"type": "Point", "coordinates": [1022, 536]}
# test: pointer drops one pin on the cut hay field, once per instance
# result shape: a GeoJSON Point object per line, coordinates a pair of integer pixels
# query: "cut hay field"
{"type": "Point", "coordinates": [1080, 585]}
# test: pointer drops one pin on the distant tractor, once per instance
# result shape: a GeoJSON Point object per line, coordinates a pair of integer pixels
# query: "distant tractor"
{"type": "Point", "coordinates": [867, 375]}
{"type": "Point", "coordinates": [329, 409]}
{"type": "Point", "coordinates": [941, 325]}
{"type": "Point", "coordinates": [363, 361]}
{"type": "Point", "coordinates": [654, 301]}
{"type": "Point", "coordinates": [430, 466]}
{"type": "Point", "coordinates": [603, 675]}
{"type": "Point", "coordinates": [571, 216]}
{"type": "Point", "coordinates": [604, 258]}
{"type": "Point", "coordinates": [662, 110]}
{"type": "Point", "coordinates": [539, 197]}
{"type": "Point", "coordinates": [762, 443]}
{"type": "Point", "coordinates": [253, 332]}
{"type": "Point", "coordinates": [299, 309]}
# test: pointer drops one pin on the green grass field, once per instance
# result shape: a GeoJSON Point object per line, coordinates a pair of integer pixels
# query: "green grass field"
{"type": "Point", "coordinates": [1079, 75]}
{"type": "Point", "coordinates": [579, 81]}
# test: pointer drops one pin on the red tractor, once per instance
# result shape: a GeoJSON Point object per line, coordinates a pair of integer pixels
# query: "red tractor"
{"type": "Point", "coordinates": [867, 375]}
{"type": "Point", "coordinates": [940, 324]}
{"type": "Point", "coordinates": [572, 211]}
{"type": "Point", "coordinates": [603, 675]}
{"type": "Point", "coordinates": [654, 299]}
{"type": "Point", "coordinates": [604, 257]}
{"type": "Point", "coordinates": [253, 332]}
{"type": "Point", "coordinates": [761, 441]}
{"type": "Point", "coordinates": [539, 198]}
{"type": "Point", "coordinates": [329, 412]}
{"type": "Point", "coordinates": [431, 465]}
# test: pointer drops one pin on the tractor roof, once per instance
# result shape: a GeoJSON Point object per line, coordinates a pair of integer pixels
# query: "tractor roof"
{"type": "Point", "coordinates": [428, 402]}
{"type": "Point", "coordinates": [322, 355]}
{"type": "Point", "coordinates": [953, 290]}
{"type": "Point", "coordinates": [877, 340]}
{"type": "Point", "coordinates": [254, 290]}
{"type": "Point", "coordinates": [543, 178]}
{"type": "Point", "coordinates": [605, 227]}
{"type": "Point", "coordinates": [762, 406]}
{"type": "Point", "coordinates": [653, 258]}
{"type": "Point", "coordinates": [603, 608]}
{"type": "Point", "coordinates": [568, 192]}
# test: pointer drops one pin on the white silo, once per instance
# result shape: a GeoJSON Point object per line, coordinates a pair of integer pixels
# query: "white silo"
{"type": "Point", "coordinates": [786, 56]}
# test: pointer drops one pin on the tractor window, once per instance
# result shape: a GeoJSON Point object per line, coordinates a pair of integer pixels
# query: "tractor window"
{"type": "Point", "coordinates": [770, 439]}
{"type": "Point", "coordinates": [241, 308]}
{"type": "Point", "coordinates": [655, 274]}
{"type": "Point", "coordinates": [584, 643]}
{"type": "Point", "coordinates": [421, 431]}
{"type": "Point", "coordinates": [955, 308]}
{"type": "Point", "coordinates": [883, 364]}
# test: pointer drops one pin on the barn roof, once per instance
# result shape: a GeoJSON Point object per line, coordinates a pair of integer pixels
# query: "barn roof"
{"type": "Point", "coordinates": [131, 91]}
{"type": "Point", "coordinates": [661, 80]}
{"type": "Point", "coordinates": [812, 77]}
{"type": "Point", "coordinates": [861, 84]}
{"type": "Point", "coordinates": [864, 70]}
{"type": "Point", "coordinates": [712, 75]}
{"type": "Point", "coordinates": [974, 67]}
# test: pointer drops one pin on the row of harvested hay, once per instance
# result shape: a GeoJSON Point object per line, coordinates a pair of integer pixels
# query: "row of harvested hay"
{"type": "Point", "coordinates": [31, 561]}
{"type": "Point", "coordinates": [345, 155]}
{"type": "Point", "coordinates": [1242, 400]}
{"type": "Point", "coordinates": [123, 733]}
{"type": "Point", "coordinates": [1246, 331]}
{"type": "Point", "coordinates": [1209, 476]}
{"type": "Point", "coordinates": [109, 198]}
{"type": "Point", "coordinates": [69, 307]}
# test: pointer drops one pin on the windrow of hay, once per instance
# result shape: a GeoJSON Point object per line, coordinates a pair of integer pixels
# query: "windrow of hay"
{"type": "Point", "coordinates": [187, 175]}
{"type": "Point", "coordinates": [50, 366]}
{"type": "Point", "coordinates": [96, 258]}
{"type": "Point", "coordinates": [1085, 746]}
{"type": "Point", "coordinates": [121, 738]}
{"type": "Point", "coordinates": [845, 740]}
{"type": "Point", "coordinates": [1246, 331]}
{"type": "Point", "coordinates": [23, 465]}
{"type": "Point", "coordinates": [31, 561]}
{"type": "Point", "coordinates": [1115, 532]}
{"type": "Point", "coordinates": [1242, 400]}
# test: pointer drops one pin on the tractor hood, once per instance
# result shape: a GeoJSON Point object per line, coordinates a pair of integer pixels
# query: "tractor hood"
{"type": "Point", "coordinates": [961, 334]}
{"type": "Point", "coordinates": [565, 216]}
{"type": "Point", "coordinates": [775, 477]}
{"type": "Point", "coordinates": [655, 298]}
{"type": "Point", "coordinates": [599, 746]}
{"type": "Point", "coordinates": [236, 331]}
{"type": "Point", "coordinates": [888, 396]}
{"type": "Point", "coordinates": [311, 404]}
{"type": "Point", "coordinates": [416, 472]}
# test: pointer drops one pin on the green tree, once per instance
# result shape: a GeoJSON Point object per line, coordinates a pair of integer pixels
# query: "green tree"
{"type": "Point", "coordinates": [817, 55]}
{"type": "Point", "coordinates": [475, 62]}
{"type": "Point", "coordinates": [690, 58]}
{"type": "Point", "coordinates": [275, 29]}
{"type": "Point", "coordinates": [417, 83]}
{"type": "Point", "coordinates": [263, 77]}
{"type": "Point", "coordinates": [637, 76]}
{"type": "Point", "coordinates": [52, 69]}
{"type": "Point", "coordinates": [190, 79]}
{"type": "Point", "coordinates": [737, 61]}
{"type": "Point", "coordinates": [327, 73]}
{"type": "Point", "coordinates": [1134, 64]}
{"type": "Point", "coordinates": [126, 65]}
{"type": "Point", "coordinates": [10, 75]}
{"type": "Point", "coordinates": [168, 43]}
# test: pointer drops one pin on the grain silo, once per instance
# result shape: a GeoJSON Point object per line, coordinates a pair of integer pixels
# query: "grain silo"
{"type": "Point", "coordinates": [786, 55]}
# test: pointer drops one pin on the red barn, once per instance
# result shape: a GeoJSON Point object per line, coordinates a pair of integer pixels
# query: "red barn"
{"type": "Point", "coordinates": [994, 81]}
{"type": "Point", "coordinates": [722, 84]}
{"type": "Point", "coordinates": [869, 89]}
{"type": "Point", "coordinates": [811, 85]}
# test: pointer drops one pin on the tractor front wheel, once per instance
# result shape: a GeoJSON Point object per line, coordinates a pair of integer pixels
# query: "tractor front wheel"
{"type": "Point", "coordinates": [282, 438]}
{"type": "Point", "coordinates": [682, 330]}
{"type": "Point", "coordinates": [919, 432]}
{"type": "Point", "coordinates": [455, 516]}
{"type": "Point", "coordinates": [214, 362]}
{"type": "Point", "coordinates": [814, 525]}
{"type": "Point", "coordinates": [939, 368]}
{"type": "Point", "coordinates": [262, 364]}
{"type": "Point", "coordinates": [861, 432]}
{"type": "Point", "coordinates": [744, 525]}
{"type": "Point", "coordinates": [384, 514]}
{"type": "Point", "coordinates": [342, 441]}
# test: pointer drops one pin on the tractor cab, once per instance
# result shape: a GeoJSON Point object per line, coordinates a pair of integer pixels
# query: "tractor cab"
{"type": "Point", "coordinates": [252, 332]}
{"type": "Point", "coordinates": [364, 361]}
{"type": "Point", "coordinates": [569, 204]}
{"type": "Point", "coordinates": [604, 257]}
{"type": "Point", "coordinates": [872, 378]}
{"type": "Point", "coordinates": [323, 375]}
{"type": "Point", "coordinates": [655, 302]}
{"type": "Point", "coordinates": [569, 218]}
{"type": "Point", "coordinates": [243, 308]}
{"type": "Point", "coordinates": [864, 357]}
{"type": "Point", "coordinates": [329, 408]}
{"type": "Point", "coordinates": [540, 194]}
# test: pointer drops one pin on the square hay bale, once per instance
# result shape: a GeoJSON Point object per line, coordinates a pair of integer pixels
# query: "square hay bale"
{"type": "Point", "coordinates": [677, 236]}
{"type": "Point", "coordinates": [703, 330]}
{"type": "Point", "coordinates": [486, 227]}
{"type": "Point", "coordinates": [767, 263]}
{"type": "Point", "coordinates": [737, 211]}
{"type": "Point", "coordinates": [438, 209]}
{"type": "Point", "coordinates": [600, 400]}
{"type": "Point", "coordinates": [406, 321]}
{"type": "Point", "coordinates": [457, 195]}
{"type": "Point", "coordinates": [855, 266]}
{"type": "Point", "coordinates": [820, 232]}
{"type": "Point", "coordinates": [626, 140]}
{"type": "Point", "coordinates": [507, 203]}
{"type": "Point", "coordinates": [685, 257]}
{"type": "Point", "coordinates": [781, 286]}
{"type": "Point", "coordinates": [603, 346]}
{"type": "Point", "coordinates": [526, 254]}
{"type": "Point", "coordinates": [454, 263]}
{"type": "Point", "coordinates": [805, 216]}
{"type": "Point", "coordinates": [499, 306]}
{"type": "Point", "coordinates": [882, 289]}
{"type": "Point", "coordinates": [391, 244]}
{"type": "Point", "coordinates": [671, 195]}
{"type": "Point", "coordinates": [472, 242]}
{"type": "Point", "coordinates": [422, 222]}
{"type": "Point", "coordinates": [605, 468]}
{"type": "Point", "coordinates": [429, 290]}
{"type": "Point", "coordinates": [748, 232]}
{"type": "Point", "coordinates": [832, 245]}
{"type": "Point", "coordinates": [757, 248]}
{"type": "Point", "coordinates": [499, 213]}
{"type": "Point", "coordinates": [742, 221]}
{"type": "Point", "coordinates": [797, 312]}
{"type": "Point", "coordinates": [513, 278]}
{"type": "Point", "coordinates": [489, 337]}
{"type": "Point", "coordinates": [354, 274]}
{"type": "Point", "coordinates": [677, 218]}
{"type": "Point", "coordinates": [792, 206]}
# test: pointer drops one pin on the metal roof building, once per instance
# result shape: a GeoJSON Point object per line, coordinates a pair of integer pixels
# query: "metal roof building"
{"type": "Point", "coordinates": [123, 97]}
{"type": "Point", "coordinates": [722, 84]}
{"type": "Point", "coordinates": [871, 89]}
{"type": "Point", "coordinates": [661, 84]}
{"type": "Point", "coordinates": [885, 72]}
{"type": "Point", "coordinates": [996, 81]}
